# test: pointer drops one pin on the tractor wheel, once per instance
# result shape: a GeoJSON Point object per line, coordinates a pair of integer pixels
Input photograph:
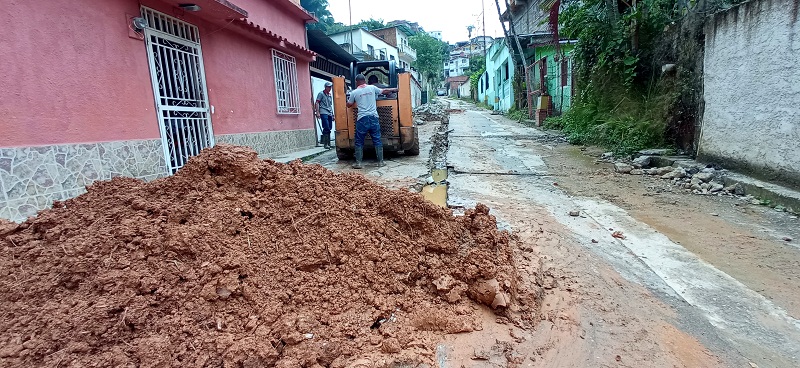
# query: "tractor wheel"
{"type": "Point", "coordinates": [414, 150]}
{"type": "Point", "coordinates": [344, 154]}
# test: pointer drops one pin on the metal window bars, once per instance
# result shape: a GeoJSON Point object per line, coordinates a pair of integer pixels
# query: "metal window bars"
{"type": "Point", "coordinates": [178, 77]}
{"type": "Point", "coordinates": [286, 85]}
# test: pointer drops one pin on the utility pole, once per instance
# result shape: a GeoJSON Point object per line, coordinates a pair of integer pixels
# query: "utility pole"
{"type": "Point", "coordinates": [350, 10]}
{"type": "Point", "coordinates": [483, 11]}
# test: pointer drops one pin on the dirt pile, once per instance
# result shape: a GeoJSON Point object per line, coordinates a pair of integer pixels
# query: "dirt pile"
{"type": "Point", "coordinates": [235, 261]}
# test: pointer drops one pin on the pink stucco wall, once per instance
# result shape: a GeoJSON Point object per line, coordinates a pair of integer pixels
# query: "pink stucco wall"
{"type": "Point", "coordinates": [70, 73]}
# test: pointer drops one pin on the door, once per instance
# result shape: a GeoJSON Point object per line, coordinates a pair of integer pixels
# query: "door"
{"type": "Point", "coordinates": [179, 86]}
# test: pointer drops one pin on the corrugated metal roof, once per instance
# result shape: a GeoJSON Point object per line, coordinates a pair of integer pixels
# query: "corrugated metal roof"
{"type": "Point", "coordinates": [320, 43]}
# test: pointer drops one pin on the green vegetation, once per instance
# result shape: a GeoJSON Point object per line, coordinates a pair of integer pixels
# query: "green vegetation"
{"type": "Point", "coordinates": [430, 56]}
{"type": "Point", "coordinates": [624, 102]}
{"type": "Point", "coordinates": [477, 66]}
{"type": "Point", "coordinates": [327, 24]}
{"type": "Point", "coordinates": [517, 114]}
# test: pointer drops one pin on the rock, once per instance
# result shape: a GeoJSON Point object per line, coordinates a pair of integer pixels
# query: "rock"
{"type": "Point", "coordinates": [693, 170]}
{"type": "Point", "coordinates": [738, 189]}
{"type": "Point", "coordinates": [687, 185]}
{"type": "Point", "coordinates": [444, 283]}
{"type": "Point", "coordinates": [641, 161]}
{"type": "Point", "coordinates": [607, 155]}
{"type": "Point", "coordinates": [695, 181]}
{"type": "Point", "coordinates": [715, 187]}
{"type": "Point", "coordinates": [704, 176]}
{"type": "Point", "coordinates": [709, 170]}
{"type": "Point", "coordinates": [787, 239]}
{"type": "Point", "coordinates": [695, 187]}
{"type": "Point", "coordinates": [574, 213]}
{"type": "Point", "coordinates": [391, 346]}
{"type": "Point", "coordinates": [676, 173]}
{"type": "Point", "coordinates": [655, 152]}
{"type": "Point", "coordinates": [488, 292]}
{"type": "Point", "coordinates": [622, 168]}
{"type": "Point", "coordinates": [755, 202]}
{"type": "Point", "coordinates": [714, 214]}
{"type": "Point", "coordinates": [637, 172]}
{"type": "Point", "coordinates": [705, 186]}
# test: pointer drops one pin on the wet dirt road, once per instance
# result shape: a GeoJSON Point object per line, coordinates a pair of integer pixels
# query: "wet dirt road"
{"type": "Point", "coordinates": [644, 300]}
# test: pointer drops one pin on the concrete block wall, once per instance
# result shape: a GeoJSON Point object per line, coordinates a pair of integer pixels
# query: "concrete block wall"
{"type": "Point", "coordinates": [751, 120]}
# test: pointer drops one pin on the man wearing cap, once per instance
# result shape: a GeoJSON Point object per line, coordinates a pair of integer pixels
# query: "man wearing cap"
{"type": "Point", "coordinates": [324, 110]}
{"type": "Point", "coordinates": [364, 97]}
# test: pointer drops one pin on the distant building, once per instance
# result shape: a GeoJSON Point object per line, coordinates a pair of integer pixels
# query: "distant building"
{"type": "Point", "coordinates": [365, 45]}
{"type": "Point", "coordinates": [481, 40]}
{"type": "Point", "coordinates": [454, 86]}
{"type": "Point", "coordinates": [413, 26]}
{"type": "Point", "coordinates": [456, 66]}
{"type": "Point", "coordinates": [397, 36]}
{"type": "Point", "coordinates": [436, 34]}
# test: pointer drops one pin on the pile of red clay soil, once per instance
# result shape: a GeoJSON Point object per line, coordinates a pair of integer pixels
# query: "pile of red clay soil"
{"type": "Point", "coordinates": [241, 262]}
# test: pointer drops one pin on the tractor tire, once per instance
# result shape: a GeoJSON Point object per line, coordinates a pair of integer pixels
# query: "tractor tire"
{"type": "Point", "coordinates": [344, 154]}
{"type": "Point", "coordinates": [414, 150]}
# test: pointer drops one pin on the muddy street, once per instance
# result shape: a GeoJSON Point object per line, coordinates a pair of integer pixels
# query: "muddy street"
{"type": "Point", "coordinates": [688, 281]}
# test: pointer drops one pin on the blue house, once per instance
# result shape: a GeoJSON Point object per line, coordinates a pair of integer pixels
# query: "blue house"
{"type": "Point", "coordinates": [494, 86]}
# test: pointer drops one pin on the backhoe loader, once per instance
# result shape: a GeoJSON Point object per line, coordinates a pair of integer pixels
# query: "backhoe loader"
{"type": "Point", "coordinates": [398, 132]}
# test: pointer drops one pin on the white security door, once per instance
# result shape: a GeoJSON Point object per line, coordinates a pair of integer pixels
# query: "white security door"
{"type": "Point", "coordinates": [179, 86]}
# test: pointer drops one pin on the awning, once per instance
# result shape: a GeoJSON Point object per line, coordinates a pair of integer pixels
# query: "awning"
{"type": "Point", "coordinates": [320, 43]}
{"type": "Point", "coordinates": [275, 39]}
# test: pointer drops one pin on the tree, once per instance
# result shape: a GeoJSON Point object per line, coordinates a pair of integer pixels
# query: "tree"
{"type": "Point", "coordinates": [476, 63]}
{"type": "Point", "coordinates": [430, 59]}
{"type": "Point", "coordinates": [372, 24]}
{"type": "Point", "coordinates": [320, 9]}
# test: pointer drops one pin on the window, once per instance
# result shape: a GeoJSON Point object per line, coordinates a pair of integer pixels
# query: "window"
{"type": "Point", "coordinates": [383, 55]}
{"type": "Point", "coordinates": [391, 57]}
{"type": "Point", "coordinates": [286, 83]}
{"type": "Point", "coordinates": [505, 71]}
{"type": "Point", "coordinates": [371, 50]}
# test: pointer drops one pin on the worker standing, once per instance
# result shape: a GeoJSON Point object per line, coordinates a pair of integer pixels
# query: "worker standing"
{"type": "Point", "coordinates": [323, 108]}
{"type": "Point", "coordinates": [364, 97]}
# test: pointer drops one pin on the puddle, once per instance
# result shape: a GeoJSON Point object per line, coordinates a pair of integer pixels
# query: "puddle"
{"type": "Point", "coordinates": [436, 190]}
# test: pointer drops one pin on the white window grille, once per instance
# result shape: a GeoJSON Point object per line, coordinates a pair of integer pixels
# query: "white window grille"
{"type": "Point", "coordinates": [286, 85]}
{"type": "Point", "coordinates": [179, 87]}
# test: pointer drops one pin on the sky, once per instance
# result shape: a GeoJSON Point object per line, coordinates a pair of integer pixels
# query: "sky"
{"type": "Point", "coordinates": [449, 16]}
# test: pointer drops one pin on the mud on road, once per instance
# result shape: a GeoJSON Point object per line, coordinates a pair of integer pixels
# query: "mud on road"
{"type": "Point", "coordinates": [656, 296]}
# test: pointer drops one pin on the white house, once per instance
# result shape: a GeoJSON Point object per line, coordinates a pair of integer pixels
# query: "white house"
{"type": "Point", "coordinates": [365, 45]}
{"type": "Point", "coordinates": [436, 34]}
{"type": "Point", "coordinates": [456, 66]}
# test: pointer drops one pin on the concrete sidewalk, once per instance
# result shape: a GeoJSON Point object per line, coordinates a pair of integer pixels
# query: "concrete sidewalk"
{"type": "Point", "coordinates": [301, 155]}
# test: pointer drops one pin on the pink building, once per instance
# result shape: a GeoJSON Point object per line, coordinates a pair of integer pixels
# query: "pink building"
{"type": "Point", "coordinates": [96, 89]}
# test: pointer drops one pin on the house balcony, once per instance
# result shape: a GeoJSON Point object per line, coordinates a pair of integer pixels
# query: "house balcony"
{"type": "Point", "coordinates": [408, 53]}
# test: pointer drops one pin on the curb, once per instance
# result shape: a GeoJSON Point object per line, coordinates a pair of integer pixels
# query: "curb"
{"type": "Point", "coordinates": [774, 195]}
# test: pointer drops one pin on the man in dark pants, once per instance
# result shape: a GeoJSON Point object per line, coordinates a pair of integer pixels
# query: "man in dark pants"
{"type": "Point", "coordinates": [324, 111]}
{"type": "Point", "coordinates": [364, 97]}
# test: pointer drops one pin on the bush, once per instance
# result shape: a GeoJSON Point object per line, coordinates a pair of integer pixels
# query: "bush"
{"type": "Point", "coordinates": [517, 114]}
